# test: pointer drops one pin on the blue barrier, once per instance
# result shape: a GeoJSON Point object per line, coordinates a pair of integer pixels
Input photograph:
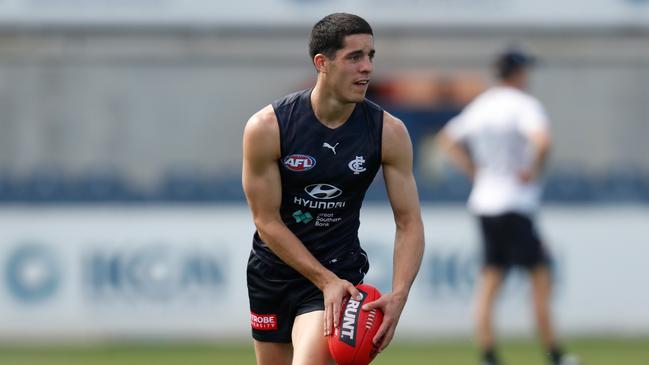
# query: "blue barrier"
{"type": "Point", "coordinates": [562, 186]}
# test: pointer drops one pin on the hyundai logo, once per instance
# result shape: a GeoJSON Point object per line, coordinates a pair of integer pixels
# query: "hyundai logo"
{"type": "Point", "coordinates": [323, 191]}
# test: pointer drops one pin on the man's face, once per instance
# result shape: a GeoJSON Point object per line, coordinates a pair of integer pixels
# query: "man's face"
{"type": "Point", "coordinates": [349, 72]}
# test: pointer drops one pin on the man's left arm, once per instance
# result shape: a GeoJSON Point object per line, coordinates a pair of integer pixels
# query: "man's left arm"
{"type": "Point", "coordinates": [409, 239]}
{"type": "Point", "coordinates": [533, 122]}
{"type": "Point", "coordinates": [541, 142]}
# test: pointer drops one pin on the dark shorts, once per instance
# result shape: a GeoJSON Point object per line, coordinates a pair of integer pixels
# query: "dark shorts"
{"type": "Point", "coordinates": [511, 240]}
{"type": "Point", "coordinates": [278, 294]}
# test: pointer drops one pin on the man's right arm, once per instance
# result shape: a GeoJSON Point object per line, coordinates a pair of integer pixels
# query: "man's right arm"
{"type": "Point", "coordinates": [540, 141]}
{"type": "Point", "coordinates": [534, 124]}
{"type": "Point", "coordinates": [457, 152]}
{"type": "Point", "coordinates": [262, 186]}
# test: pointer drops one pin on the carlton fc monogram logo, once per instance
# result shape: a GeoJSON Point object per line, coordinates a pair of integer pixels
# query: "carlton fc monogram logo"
{"type": "Point", "coordinates": [356, 165]}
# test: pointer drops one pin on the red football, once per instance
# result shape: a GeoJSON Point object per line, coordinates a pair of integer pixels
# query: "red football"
{"type": "Point", "coordinates": [351, 343]}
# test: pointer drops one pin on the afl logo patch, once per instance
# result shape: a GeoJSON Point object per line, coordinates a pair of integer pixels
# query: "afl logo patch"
{"type": "Point", "coordinates": [299, 162]}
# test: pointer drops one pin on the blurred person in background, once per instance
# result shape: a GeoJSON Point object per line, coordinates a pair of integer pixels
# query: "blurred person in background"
{"type": "Point", "coordinates": [501, 141]}
{"type": "Point", "coordinates": [308, 160]}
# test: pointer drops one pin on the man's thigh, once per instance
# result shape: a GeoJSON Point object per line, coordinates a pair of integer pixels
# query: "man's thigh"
{"type": "Point", "coordinates": [274, 301]}
{"type": "Point", "coordinates": [309, 342]}
{"type": "Point", "coordinates": [273, 353]}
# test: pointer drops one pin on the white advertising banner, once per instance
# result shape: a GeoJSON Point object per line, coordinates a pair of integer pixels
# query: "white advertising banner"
{"type": "Point", "coordinates": [73, 273]}
{"type": "Point", "coordinates": [116, 272]}
{"type": "Point", "coordinates": [254, 13]}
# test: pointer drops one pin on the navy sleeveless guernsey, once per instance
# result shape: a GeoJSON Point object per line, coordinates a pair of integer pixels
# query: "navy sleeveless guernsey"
{"type": "Point", "coordinates": [325, 174]}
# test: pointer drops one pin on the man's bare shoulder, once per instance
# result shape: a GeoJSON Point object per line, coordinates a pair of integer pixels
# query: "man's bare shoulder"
{"type": "Point", "coordinates": [263, 121]}
{"type": "Point", "coordinates": [261, 136]}
{"type": "Point", "coordinates": [394, 131]}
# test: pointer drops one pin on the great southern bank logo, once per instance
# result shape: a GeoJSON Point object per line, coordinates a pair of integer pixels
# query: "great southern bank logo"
{"type": "Point", "coordinates": [299, 162]}
{"type": "Point", "coordinates": [302, 217]}
{"type": "Point", "coordinates": [32, 273]}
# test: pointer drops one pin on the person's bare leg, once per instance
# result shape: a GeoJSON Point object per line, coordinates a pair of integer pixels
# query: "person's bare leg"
{"type": "Point", "coordinates": [273, 353]}
{"type": "Point", "coordinates": [541, 293]}
{"type": "Point", "coordinates": [309, 342]}
{"type": "Point", "coordinates": [490, 281]}
{"type": "Point", "coordinates": [541, 279]}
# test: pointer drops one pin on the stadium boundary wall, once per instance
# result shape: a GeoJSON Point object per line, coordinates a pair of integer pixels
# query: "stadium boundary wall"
{"type": "Point", "coordinates": [178, 272]}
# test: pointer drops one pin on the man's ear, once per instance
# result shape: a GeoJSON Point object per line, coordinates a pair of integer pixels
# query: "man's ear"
{"type": "Point", "coordinates": [320, 62]}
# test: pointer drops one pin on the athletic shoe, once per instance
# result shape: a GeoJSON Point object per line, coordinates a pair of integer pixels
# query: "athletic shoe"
{"type": "Point", "coordinates": [569, 359]}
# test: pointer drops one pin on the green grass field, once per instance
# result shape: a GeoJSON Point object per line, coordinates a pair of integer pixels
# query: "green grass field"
{"type": "Point", "coordinates": [592, 352]}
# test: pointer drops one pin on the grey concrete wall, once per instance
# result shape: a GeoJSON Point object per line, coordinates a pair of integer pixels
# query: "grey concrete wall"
{"type": "Point", "coordinates": [142, 102]}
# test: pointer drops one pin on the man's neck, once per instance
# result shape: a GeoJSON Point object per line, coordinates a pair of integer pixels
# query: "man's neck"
{"type": "Point", "coordinates": [329, 110]}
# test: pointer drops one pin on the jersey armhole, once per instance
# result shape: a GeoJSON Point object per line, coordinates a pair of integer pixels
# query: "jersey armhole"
{"type": "Point", "coordinates": [282, 153]}
{"type": "Point", "coordinates": [380, 133]}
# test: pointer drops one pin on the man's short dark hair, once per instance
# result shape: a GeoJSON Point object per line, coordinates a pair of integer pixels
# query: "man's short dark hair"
{"type": "Point", "coordinates": [512, 61]}
{"type": "Point", "coordinates": [328, 34]}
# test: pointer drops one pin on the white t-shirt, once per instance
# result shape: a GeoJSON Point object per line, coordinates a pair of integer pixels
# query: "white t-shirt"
{"type": "Point", "coordinates": [495, 128]}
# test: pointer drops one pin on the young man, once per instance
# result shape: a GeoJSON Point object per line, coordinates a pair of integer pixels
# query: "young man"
{"type": "Point", "coordinates": [501, 141]}
{"type": "Point", "coordinates": [308, 160]}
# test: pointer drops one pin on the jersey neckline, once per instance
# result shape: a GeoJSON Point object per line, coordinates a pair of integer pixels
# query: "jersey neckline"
{"type": "Point", "coordinates": [307, 96]}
